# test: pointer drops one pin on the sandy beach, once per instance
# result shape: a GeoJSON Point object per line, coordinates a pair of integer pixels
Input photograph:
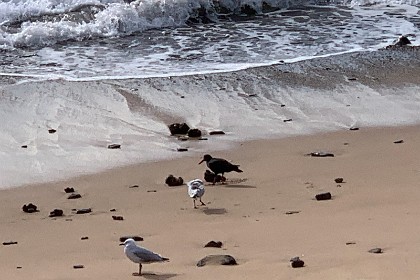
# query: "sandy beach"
{"type": "Point", "coordinates": [375, 207]}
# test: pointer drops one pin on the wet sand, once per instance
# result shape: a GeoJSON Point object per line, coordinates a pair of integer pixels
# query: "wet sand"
{"type": "Point", "coordinates": [375, 206]}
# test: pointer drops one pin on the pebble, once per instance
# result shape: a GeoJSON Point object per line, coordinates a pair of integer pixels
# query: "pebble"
{"type": "Point", "coordinates": [296, 262]}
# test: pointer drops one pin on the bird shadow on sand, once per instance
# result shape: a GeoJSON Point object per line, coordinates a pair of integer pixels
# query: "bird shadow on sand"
{"type": "Point", "coordinates": [239, 186]}
{"type": "Point", "coordinates": [154, 276]}
{"type": "Point", "coordinates": [214, 211]}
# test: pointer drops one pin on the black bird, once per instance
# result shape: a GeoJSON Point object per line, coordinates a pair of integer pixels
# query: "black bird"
{"type": "Point", "coordinates": [219, 166]}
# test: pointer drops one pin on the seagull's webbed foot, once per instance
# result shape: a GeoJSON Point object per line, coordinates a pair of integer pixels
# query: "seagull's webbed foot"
{"type": "Point", "coordinates": [202, 203]}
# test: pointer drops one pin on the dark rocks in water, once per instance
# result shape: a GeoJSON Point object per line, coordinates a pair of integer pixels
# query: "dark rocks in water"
{"type": "Point", "coordinates": [113, 210]}
{"type": "Point", "coordinates": [210, 177]}
{"type": "Point", "coordinates": [114, 146]}
{"type": "Point", "coordinates": [179, 128]}
{"type": "Point", "coordinates": [297, 262]}
{"type": "Point", "coordinates": [182, 150]}
{"type": "Point", "coordinates": [214, 244]}
{"type": "Point", "coordinates": [376, 251]}
{"type": "Point", "coordinates": [83, 211]}
{"type": "Point", "coordinates": [194, 133]}
{"type": "Point", "coordinates": [118, 218]}
{"type": "Point", "coordinates": [134, 186]}
{"type": "Point", "coordinates": [200, 15]}
{"type": "Point", "coordinates": [217, 132]}
{"type": "Point", "coordinates": [248, 10]}
{"type": "Point", "coordinates": [9, 243]}
{"type": "Point", "coordinates": [51, 131]}
{"type": "Point", "coordinates": [30, 208]}
{"type": "Point", "coordinates": [84, 238]}
{"type": "Point", "coordinates": [24, 146]}
{"type": "Point", "coordinates": [339, 180]}
{"type": "Point", "coordinates": [352, 79]}
{"type": "Point", "coordinates": [287, 120]}
{"type": "Point", "coordinates": [69, 190]}
{"type": "Point", "coordinates": [320, 154]}
{"type": "Point", "coordinates": [172, 181]}
{"type": "Point", "coordinates": [217, 260]}
{"type": "Point", "coordinates": [56, 213]}
{"type": "Point", "coordinates": [402, 41]}
{"type": "Point", "coordinates": [354, 128]}
{"type": "Point", "coordinates": [399, 142]}
{"type": "Point", "coordinates": [135, 237]}
{"type": "Point", "coordinates": [74, 196]}
{"type": "Point", "coordinates": [323, 196]}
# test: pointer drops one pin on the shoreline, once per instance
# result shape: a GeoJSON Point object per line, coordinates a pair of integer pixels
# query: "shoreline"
{"type": "Point", "coordinates": [380, 190]}
{"type": "Point", "coordinates": [323, 94]}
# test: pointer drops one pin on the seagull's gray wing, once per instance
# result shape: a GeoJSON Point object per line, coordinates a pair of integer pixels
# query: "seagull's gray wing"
{"type": "Point", "coordinates": [146, 255]}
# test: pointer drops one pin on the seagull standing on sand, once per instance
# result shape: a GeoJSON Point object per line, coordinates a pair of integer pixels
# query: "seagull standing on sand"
{"type": "Point", "coordinates": [219, 165]}
{"type": "Point", "coordinates": [196, 190]}
{"type": "Point", "coordinates": [140, 255]}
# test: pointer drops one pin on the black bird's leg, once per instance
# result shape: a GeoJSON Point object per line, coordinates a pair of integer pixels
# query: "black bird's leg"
{"type": "Point", "coordinates": [221, 179]}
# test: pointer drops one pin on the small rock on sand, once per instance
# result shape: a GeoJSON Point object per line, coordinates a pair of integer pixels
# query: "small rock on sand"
{"type": "Point", "coordinates": [214, 244]}
{"type": "Point", "coordinates": [118, 218]}
{"type": "Point", "coordinates": [135, 237]}
{"type": "Point", "coordinates": [172, 181]}
{"type": "Point", "coordinates": [217, 260]}
{"type": "Point", "coordinates": [56, 213]}
{"type": "Point", "coordinates": [323, 196]}
{"type": "Point", "coordinates": [178, 128]}
{"type": "Point", "coordinates": [320, 154]}
{"type": "Point", "coordinates": [339, 180]}
{"type": "Point", "coordinates": [376, 251]}
{"type": "Point", "coordinates": [78, 266]}
{"type": "Point", "coordinates": [114, 146]}
{"type": "Point", "coordinates": [83, 211]}
{"type": "Point", "coordinates": [30, 208]}
{"type": "Point", "coordinates": [10, 243]}
{"type": "Point", "coordinates": [216, 132]}
{"type": "Point", "coordinates": [194, 133]}
{"type": "Point", "coordinates": [296, 262]}
{"type": "Point", "coordinates": [74, 196]}
{"type": "Point", "coordinates": [69, 190]}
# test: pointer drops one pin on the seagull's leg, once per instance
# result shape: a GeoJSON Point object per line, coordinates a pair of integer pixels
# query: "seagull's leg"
{"type": "Point", "coordinates": [221, 179]}
{"type": "Point", "coordinates": [139, 269]}
{"type": "Point", "coordinates": [202, 203]}
{"type": "Point", "coordinates": [195, 207]}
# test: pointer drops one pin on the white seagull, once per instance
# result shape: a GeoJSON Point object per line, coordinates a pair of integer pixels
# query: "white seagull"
{"type": "Point", "coordinates": [140, 255]}
{"type": "Point", "coordinates": [196, 190]}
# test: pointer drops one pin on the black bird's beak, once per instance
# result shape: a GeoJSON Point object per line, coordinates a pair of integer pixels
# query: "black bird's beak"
{"type": "Point", "coordinates": [201, 161]}
{"type": "Point", "coordinates": [121, 244]}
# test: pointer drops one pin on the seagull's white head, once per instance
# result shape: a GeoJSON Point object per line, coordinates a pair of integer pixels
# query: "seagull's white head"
{"type": "Point", "coordinates": [128, 242]}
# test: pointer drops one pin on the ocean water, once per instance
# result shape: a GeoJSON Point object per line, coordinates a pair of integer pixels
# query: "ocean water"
{"type": "Point", "coordinates": [69, 66]}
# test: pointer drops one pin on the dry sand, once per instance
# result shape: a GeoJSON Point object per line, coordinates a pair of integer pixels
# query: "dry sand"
{"type": "Point", "coordinates": [376, 206]}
